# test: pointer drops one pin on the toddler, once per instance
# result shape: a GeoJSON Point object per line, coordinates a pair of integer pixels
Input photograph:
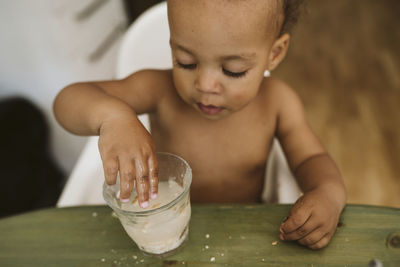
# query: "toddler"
{"type": "Point", "coordinates": [216, 110]}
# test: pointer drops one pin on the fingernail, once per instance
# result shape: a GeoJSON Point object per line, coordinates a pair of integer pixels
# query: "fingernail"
{"type": "Point", "coordinates": [124, 200]}
{"type": "Point", "coordinates": [144, 204]}
{"type": "Point", "coordinates": [285, 219]}
{"type": "Point", "coordinates": [281, 237]}
{"type": "Point", "coordinates": [280, 230]}
{"type": "Point", "coordinates": [153, 195]}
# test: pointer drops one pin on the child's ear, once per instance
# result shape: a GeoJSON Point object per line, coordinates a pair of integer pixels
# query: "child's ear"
{"type": "Point", "coordinates": [278, 51]}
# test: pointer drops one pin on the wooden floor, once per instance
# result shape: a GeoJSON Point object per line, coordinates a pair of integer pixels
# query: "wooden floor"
{"type": "Point", "coordinates": [344, 61]}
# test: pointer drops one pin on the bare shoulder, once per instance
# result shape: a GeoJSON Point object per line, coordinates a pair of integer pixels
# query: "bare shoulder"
{"type": "Point", "coordinates": [285, 102]}
{"type": "Point", "coordinates": [142, 90]}
{"type": "Point", "coordinates": [158, 81]}
{"type": "Point", "coordinates": [279, 92]}
{"type": "Point", "coordinates": [279, 95]}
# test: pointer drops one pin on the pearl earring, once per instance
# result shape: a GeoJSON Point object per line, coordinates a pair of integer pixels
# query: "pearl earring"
{"type": "Point", "coordinates": [267, 73]}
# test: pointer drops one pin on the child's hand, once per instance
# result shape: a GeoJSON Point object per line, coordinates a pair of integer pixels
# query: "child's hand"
{"type": "Point", "coordinates": [126, 146]}
{"type": "Point", "coordinates": [313, 219]}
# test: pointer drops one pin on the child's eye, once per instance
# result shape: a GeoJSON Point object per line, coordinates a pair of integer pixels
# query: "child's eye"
{"type": "Point", "coordinates": [234, 74]}
{"type": "Point", "coordinates": [186, 66]}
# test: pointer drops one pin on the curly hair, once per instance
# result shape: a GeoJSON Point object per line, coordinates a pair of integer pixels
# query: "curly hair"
{"type": "Point", "coordinates": [291, 13]}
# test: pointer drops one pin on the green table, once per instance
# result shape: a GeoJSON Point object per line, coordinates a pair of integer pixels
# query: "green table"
{"type": "Point", "coordinates": [238, 235]}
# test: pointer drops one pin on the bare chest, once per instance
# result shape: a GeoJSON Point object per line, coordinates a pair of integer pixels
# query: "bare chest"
{"type": "Point", "coordinates": [223, 145]}
{"type": "Point", "coordinates": [227, 157]}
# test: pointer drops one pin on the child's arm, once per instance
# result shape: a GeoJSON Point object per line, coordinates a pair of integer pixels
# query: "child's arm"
{"type": "Point", "coordinates": [313, 218]}
{"type": "Point", "coordinates": [109, 109]}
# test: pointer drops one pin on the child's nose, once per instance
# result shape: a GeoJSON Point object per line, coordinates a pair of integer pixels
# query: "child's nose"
{"type": "Point", "coordinates": [207, 82]}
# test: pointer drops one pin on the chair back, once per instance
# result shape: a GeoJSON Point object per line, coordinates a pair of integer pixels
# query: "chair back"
{"type": "Point", "coordinates": [146, 43]}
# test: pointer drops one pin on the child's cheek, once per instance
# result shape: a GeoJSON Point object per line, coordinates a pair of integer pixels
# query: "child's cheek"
{"type": "Point", "coordinates": [178, 81]}
{"type": "Point", "coordinates": [241, 97]}
{"type": "Point", "coordinates": [182, 78]}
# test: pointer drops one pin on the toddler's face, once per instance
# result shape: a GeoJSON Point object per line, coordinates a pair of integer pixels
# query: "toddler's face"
{"type": "Point", "coordinates": [220, 50]}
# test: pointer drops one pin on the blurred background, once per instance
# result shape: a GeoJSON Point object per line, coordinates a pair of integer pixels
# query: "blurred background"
{"type": "Point", "coordinates": [344, 61]}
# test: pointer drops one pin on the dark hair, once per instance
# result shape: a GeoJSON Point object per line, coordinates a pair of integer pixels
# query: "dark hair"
{"type": "Point", "coordinates": [291, 13]}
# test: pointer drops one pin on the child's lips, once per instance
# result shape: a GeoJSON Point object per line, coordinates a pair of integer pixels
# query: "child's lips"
{"type": "Point", "coordinates": [209, 109]}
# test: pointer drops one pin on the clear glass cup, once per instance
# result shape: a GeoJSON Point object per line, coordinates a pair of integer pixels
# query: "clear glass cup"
{"type": "Point", "coordinates": [163, 227]}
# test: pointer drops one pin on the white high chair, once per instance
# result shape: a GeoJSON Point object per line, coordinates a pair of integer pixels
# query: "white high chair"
{"type": "Point", "coordinates": [146, 45]}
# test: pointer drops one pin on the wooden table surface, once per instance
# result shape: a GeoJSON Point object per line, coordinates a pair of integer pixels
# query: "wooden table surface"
{"type": "Point", "coordinates": [238, 235]}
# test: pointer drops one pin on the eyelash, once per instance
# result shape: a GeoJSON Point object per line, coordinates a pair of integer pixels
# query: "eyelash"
{"type": "Point", "coordinates": [186, 66]}
{"type": "Point", "coordinates": [234, 74]}
{"type": "Point", "coordinates": [226, 72]}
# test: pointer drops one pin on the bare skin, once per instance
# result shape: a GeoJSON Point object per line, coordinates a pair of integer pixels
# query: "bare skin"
{"type": "Point", "coordinates": [216, 110]}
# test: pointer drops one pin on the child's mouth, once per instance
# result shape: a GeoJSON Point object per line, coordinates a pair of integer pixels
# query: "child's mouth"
{"type": "Point", "coordinates": [210, 109]}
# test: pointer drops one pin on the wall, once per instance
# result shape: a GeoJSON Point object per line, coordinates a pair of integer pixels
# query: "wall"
{"type": "Point", "coordinates": [47, 44]}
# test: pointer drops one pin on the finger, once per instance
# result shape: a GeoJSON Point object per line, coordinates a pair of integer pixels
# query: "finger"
{"type": "Point", "coordinates": [308, 227]}
{"type": "Point", "coordinates": [323, 242]}
{"type": "Point", "coordinates": [127, 175]}
{"type": "Point", "coordinates": [153, 178]}
{"type": "Point", "coordinates": [298, 216]}
{"type": "Point", "coordinates": [142, 182]}
{"type": "Point", "coordinates": [313, 237]}
{"type": "Point", "coordinates": [110, 167]}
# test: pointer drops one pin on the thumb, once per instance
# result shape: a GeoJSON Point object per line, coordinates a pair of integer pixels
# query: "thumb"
{"type": "Point", "coordinates": [299, 214]}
